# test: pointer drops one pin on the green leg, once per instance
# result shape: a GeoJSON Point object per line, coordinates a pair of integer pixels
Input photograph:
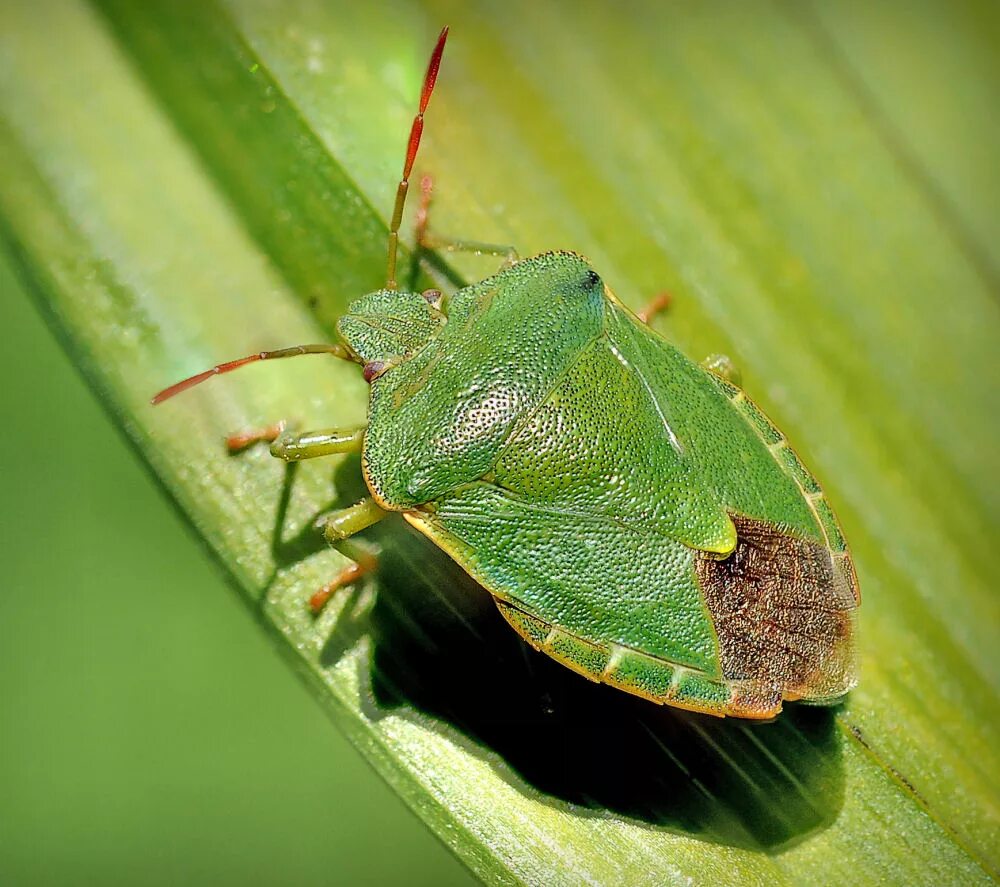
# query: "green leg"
{"type": "Point", "coordinates": [425, 240]}
{"type": "Point", "coordinates": [338, 527]}
{"type": "Point", "coordinates": [311, 444]}
{"type": "Point", "coordinates": [723, 366]}
{"type": "Point", "coordinates": [507, 253]}
{"type": "Point", "coordinates": [295, 447]}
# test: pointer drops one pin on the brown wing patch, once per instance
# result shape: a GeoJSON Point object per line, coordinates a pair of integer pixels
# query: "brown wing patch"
{"type": "Point", "coordinates": [781, 616]}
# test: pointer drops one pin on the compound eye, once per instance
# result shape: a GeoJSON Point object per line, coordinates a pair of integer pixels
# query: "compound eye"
{"type": "Point", "coordinates": [373, 369]}
{"type": "Point", "coordinates": [432, 297]}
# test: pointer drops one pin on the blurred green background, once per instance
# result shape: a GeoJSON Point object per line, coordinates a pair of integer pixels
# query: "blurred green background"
{"type": "Point", "coordinates": [149, 733]}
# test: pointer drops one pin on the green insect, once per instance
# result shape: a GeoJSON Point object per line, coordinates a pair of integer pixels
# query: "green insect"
{"type": "Point", "coordinates": [634, 515]}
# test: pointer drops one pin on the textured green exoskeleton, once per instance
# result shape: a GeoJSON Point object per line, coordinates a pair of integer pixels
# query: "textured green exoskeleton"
{"type": "Point", "coordinates": [634, 515]}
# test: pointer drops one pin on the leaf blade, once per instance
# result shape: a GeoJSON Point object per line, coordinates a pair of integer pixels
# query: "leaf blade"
{"type": "Point", "coordinates": [98, 249]}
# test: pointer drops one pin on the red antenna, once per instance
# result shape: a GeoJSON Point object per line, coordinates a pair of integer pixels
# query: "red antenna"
{"type": "Point", "coordinates": [397, 216]}
{"type": "Point", "coordinates": [411, 153]}
{"type": "Point", "coordinates": [336, 350]}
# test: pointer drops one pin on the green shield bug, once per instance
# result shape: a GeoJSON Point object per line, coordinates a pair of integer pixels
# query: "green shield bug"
{"type": "Point", "coordinates": [634, 515]}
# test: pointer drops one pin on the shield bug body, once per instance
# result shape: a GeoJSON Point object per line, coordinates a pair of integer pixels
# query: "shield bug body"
{"type": "Point", "coordinates": [634, 515]}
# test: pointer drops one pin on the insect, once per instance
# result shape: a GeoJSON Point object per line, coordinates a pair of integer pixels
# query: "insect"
{"type": "Point", "coordinates": [633, 514]}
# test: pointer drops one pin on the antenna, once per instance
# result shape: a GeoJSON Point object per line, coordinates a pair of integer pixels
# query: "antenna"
{"type": "Point", "coordinates": [227, 367]}
{"type": "Point", "coordinates": [340, 351]}
{"type": "Point", "coordinates": [411, 153]}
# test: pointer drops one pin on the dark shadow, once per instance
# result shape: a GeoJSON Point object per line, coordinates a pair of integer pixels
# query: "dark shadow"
{"type": "Point", "coordinates": [287, 551]}
{"type": "Point", "coordinates": [440, 646]}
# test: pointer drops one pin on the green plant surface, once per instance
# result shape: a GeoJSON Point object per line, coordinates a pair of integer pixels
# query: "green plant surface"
{"type": "Point", "coordinates": [185, 183]}
{"type": "Point", "coordinates": [149, 733]}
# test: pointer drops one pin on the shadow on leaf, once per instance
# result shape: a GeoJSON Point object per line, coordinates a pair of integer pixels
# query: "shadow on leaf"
{"type": "Point", "coordinates": [441, 647]}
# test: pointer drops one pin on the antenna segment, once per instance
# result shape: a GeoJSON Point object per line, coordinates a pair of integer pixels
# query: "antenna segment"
{"type": "Point", "coordinates": [411, 153]}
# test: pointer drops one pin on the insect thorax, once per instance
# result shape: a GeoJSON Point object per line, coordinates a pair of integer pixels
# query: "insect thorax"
{"type": "Point", "coordinates": [440, 413]}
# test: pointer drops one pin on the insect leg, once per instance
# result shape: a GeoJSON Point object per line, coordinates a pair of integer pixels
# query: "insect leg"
{"type": "Point", "coordinates": [240, 440]}
{"type": "Point", "coordinates": [428, 241]}
{"type": "Point", "coordinates": [338, 526]}
{"type": "Point", "coordinates": [658, 304]}
{"type": "Point", "coordinates": [365, 562]}
{"type": "Point", "coordinates": [310, 444]}
{"type": "Point", "coordinates": [345, 522]}
{"type": "Point", "coordinates": [508, 253]}
{"type": "Point", "coordinates": [722, 365]}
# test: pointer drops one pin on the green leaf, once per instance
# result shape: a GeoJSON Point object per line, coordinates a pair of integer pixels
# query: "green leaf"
{"type": "Point", "coordinates": [185, 183]}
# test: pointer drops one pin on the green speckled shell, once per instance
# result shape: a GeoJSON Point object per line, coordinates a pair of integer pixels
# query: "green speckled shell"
{"type": "Point", "coordinates": [578, 465]}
